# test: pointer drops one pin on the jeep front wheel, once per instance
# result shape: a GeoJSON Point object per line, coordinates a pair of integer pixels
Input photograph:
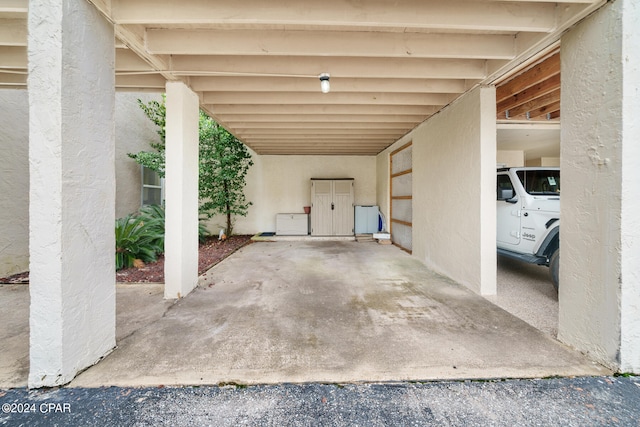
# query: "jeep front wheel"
{"type": "Point", "coordinates": [554, 267]}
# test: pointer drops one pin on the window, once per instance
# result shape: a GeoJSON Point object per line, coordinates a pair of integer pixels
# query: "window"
{"type": "Point", "coordinates": [152, 187]}
{"type": "Point", "coordinates": [541, 182]}
{"type": "Point", "coordinates": [505, 188]}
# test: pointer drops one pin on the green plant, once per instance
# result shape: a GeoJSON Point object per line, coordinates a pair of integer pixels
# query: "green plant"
{"type": "Point", "coordinates": [155, 214]}
{"type": "Point", "coordinates": [136, 238]}
{"type": "Point", "coordinates": [154, 160]}
{"type": "Point", "coordinates": [224, 163]}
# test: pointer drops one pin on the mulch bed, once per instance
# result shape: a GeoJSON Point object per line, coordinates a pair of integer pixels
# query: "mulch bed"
{"type": "Point", "coordinates": [211, 252]}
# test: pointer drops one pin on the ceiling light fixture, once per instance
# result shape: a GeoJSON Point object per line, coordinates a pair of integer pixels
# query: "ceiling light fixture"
{"type": "Point", "coordinates": [324, 83]}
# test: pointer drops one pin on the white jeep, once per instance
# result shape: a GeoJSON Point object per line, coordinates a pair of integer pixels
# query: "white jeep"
{"type": "Point", "coordinates": [528, 216]}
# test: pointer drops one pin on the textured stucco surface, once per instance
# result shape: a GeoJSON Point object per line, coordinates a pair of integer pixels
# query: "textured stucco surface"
{"type": "Point", "coordinates": [630, 206]}
{"type": "Point", "coordinates": [134, 131]}
{"type": "Point", "coordinates": [181, 191]}
{"type": "Point", "coordinates": [599, 299]}
{"type": "Point", "coordinates": [14, 182]}
{"type": "Point", "coordinates": [454, 159]}
{"type": "Point", "coordinates": [72, 190]}
{"type": "Point", "coordinates": [281, 184]}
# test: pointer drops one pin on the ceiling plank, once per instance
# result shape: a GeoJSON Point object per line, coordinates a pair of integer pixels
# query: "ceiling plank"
{"type": "Point", "coordinates": [239, 126]}
{"type": "Point", "coordinates": [13, 57]}
{"type": "Point", "coordinates": [462, 15]}
{"type": "Point", "coordinates": [311, 84]}
{"type": "Point", "coordinates": [536, 74]}
{"type": "Point", "coordinates": [319, 118]}
{"type": "Point", "coordinates": [140, 81]}
{"type": "Point", "coordinates": [329, 98]}
{"type": "Point", "coordinates": [13, 32]}
{"type": "Point", "coordinates": [13, 80]}
{"type": "Point", "coordinates": [14, 6]}
{"type": "Point", "coordinates": [333, 43]}
{"type": "Point", "coordinates": [301, 66]}
{"type": "Point", "coordinates": [343, 109]}
{"type": "Point", "coordinates": [547, 86]}
{"type": "Point", "coordinates": [536, 103]}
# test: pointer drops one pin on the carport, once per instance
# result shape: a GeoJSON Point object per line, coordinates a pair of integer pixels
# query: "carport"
{"type": "Point", "coordinates": [414, 71]}
{"type": "Point", "coordinates": [312, 311]}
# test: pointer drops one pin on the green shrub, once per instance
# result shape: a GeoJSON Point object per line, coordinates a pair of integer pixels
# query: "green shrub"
{"type": "Point", "coordinates": [136, 238]}
{"type": "Point", "coordinates": [156, 214]}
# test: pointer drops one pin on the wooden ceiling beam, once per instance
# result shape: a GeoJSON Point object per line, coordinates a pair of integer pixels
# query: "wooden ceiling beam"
{"type": "Point", "coordinates": [239, 126]}
{"type": "Point", "coordinates": [534, 104]}
{"type": "Point", "coordinates": [311, 84]}
{"type": "Point", "coordinates": [329, 98]}
{"type": "Point", "coordinates": [461, 15]}
{"type": "Point", "coordinates": [533, 76]}
{"type": "Point", "coordinates": [259, 109]}
{"type": "Point", "coordinates": [549, 85]}
{"type": "Point", "coordinates": [309, 66]}
{"type": "Point", "coordinates": [13, 32]}
{"type": "Point", "coordinates": [320, 118]}
{"type": "Point", "coordinates": [259, 42]}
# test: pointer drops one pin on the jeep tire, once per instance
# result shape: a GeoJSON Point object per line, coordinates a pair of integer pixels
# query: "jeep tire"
{"type": "Point", "coordinates": [554, 267]}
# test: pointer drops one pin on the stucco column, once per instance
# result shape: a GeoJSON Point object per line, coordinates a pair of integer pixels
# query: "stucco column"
{"type": "Point", "coordinates": [181, 191]}
{"type": "Point", "coordinates": [72, 189]}
{"type": "Point", "coordinates": [454, 181]}
{"type": "Point", "coordinates": [600, 159]}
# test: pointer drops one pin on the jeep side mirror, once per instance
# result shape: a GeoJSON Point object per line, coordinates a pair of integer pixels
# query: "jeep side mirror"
{"type": "Point", "coordinates": [505, 193]}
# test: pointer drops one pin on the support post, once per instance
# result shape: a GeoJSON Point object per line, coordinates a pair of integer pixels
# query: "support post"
{"type": "Point", "coordinates": [181, 188]}
{"type": "Point", "coordinates": [599, 294]}
{"type": "Point", "coordinates": [71, 83]}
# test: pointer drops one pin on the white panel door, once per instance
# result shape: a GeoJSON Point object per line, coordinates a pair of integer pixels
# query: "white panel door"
{"type": "Point", "coordinates": [343, 208]}
{"type": "Point", "coordinates": [321, 213]}
{"type": "Point", "coordinates": [332, 207]}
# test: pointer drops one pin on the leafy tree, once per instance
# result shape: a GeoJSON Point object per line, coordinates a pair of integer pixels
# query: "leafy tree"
{"type": "Point", "coordinates": [154, 160]}
{"type": "Point", "coordinates": [224, 163]}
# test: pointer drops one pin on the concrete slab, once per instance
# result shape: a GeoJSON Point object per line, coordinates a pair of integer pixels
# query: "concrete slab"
{"type": "Point", "coordinates": [332, 312]}
{"type": "Point", "coordinates": [136, 306]}
{"type": "Point", "coordinates": [14, 335]}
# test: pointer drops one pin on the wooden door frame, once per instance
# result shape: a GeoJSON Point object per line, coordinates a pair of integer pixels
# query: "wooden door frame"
{"type": "Point", "coordinates": [392, 197]}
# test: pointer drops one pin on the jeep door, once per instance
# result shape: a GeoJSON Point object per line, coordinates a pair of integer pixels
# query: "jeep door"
{"type": "Point", "coordinates": [507, 212]}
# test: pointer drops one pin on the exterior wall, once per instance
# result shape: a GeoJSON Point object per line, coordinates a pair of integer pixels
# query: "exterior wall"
{"type": "Point", "coordinates": [134, 131]}
{"type": "Point", "coordinates": [599, 296]}
{"type": "Point", "coordinates": [511, 158]}
{"type": "Point", "coordinates": [382, 185]}
{"type": "Point", "coordinates": [14, 182]}
{"type": "Point", "coordinates": [281, 184]}
{"type": "Point", "coordinates": [544, 161]}
{"type": "Point", "coordinates": [454, 163]}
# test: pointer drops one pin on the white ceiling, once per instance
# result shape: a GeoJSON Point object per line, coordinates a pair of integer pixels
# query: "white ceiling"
{"type": "Point", "coordinates": [535, 140]}
{"type": "Point", "coordinates": [255, 64]}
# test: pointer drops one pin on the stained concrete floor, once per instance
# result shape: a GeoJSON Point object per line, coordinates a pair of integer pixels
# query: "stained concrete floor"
{"type": "Point", "coordinates": [333, 312]}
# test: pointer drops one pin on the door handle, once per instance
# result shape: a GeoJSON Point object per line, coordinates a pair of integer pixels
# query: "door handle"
{"type": "Point", "coordinates": [332, 206]}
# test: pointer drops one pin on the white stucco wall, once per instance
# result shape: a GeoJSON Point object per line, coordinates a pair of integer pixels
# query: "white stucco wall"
{"type": "Point", "coordinates": [511, 158]}
{"type": "Point", "coordinates": [454, 219]}
{"type": "Point", "coordinates": [382, 185]}
{"type": "Point", "coordinates": [281, 184]}
{"type": "Point", "coordinates": [134, 131]}
{"type": "Point", "coordinates": [599, 296]}
{"type": "Point", "coordinates": [14, 182]}
{"type": "Point", "coordinates": [72, 189]}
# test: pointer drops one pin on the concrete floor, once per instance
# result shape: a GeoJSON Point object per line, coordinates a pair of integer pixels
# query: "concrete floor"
{"type": "Point", "coordinates": [317, 311]}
